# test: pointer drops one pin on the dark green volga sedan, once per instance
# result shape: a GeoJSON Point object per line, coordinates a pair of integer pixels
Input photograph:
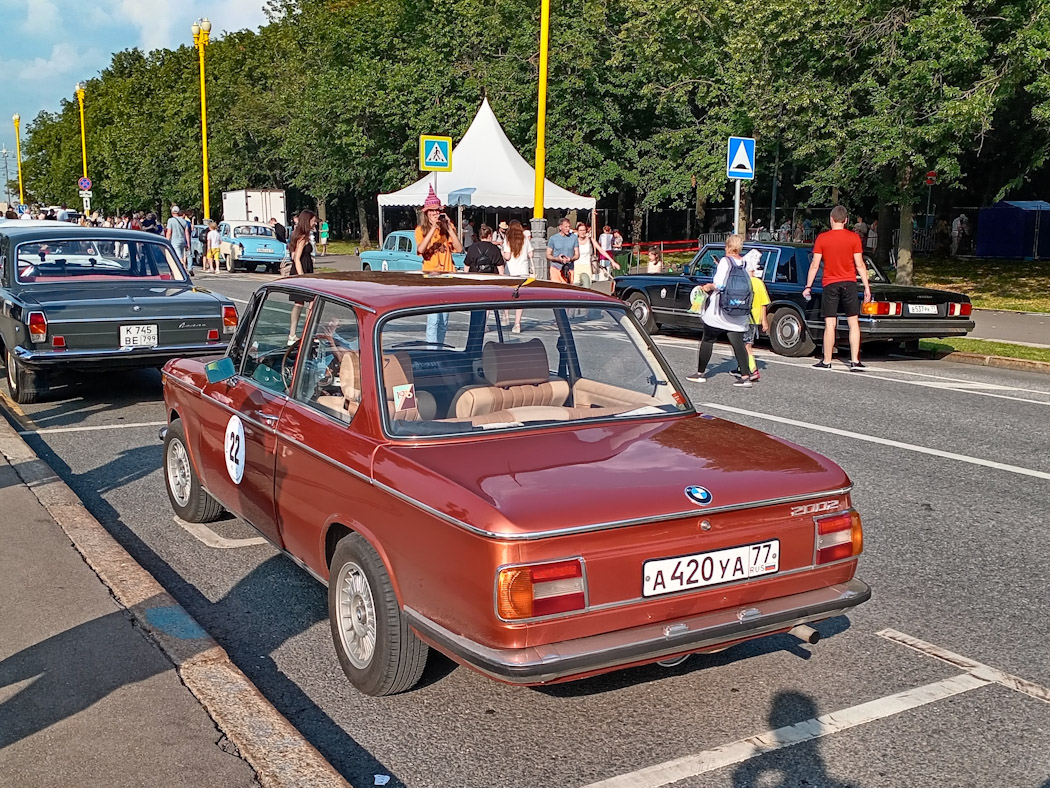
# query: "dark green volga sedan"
{"type": "Point", "coordinates": [85, 298]}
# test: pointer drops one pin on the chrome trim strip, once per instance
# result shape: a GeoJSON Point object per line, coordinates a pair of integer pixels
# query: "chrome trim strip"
{"type": "Point", "coordinates": [180, 382]}
{"type": "Point", "coordinates": [104, 354]}
{"type": "Point", "coordinates": [240, 414]}
{"type": "Point", "coordinates": [649, 642]}
{"type": "Point", "coordinates": [325, 457]}
{"type": "Point", "coordinates": [580, 529]}
{"type": "Point", "coordinates": [132, 319]}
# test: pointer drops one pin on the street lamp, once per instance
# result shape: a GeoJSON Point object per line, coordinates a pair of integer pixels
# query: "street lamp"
{"type": "Point", "coordinates": [18, 150]}
{"type": "Point", "coordinates": [6, 154]}
{"type": "Point", "coordinates": [201, 30]}
{"type": "Point", "coordinates": [539, 224]}
{"type": "Point", "coordinates": [79, 89]}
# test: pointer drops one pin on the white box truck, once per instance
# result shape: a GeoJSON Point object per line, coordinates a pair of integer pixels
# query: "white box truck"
{"type": "Point", "coordinates": [247, 204]}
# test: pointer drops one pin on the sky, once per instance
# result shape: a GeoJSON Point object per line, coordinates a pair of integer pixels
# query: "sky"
{"type": "Point", "coordinates": [47, 46]}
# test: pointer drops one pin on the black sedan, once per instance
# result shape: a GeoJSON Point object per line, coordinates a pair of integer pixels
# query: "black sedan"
{"type": "Point", "coordinates": [85, 298]}
{"type": "Point", "coordinates": [897, 313]}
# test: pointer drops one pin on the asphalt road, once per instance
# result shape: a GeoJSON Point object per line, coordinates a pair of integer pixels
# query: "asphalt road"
{"type": "Point", "coordinates": [952, 473]}
{"type": "Point", "coordinates": [1031, 328]}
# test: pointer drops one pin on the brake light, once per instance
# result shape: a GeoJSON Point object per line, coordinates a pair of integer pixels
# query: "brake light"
{"type": "Point", "coordinates": [37, 323]}
{"type": "Point", "coordinates": [839, 536]}
{"type": "Point", "coordinates": [959, 310]}
{"type": "Point", "coordinates": [882, 308]}
{"type": "Point", "coordinates": [229, 319]}
{"type": "Point", "coordinates": [540, 590]}
{"type": "Point", "coordinates": [213, 335]}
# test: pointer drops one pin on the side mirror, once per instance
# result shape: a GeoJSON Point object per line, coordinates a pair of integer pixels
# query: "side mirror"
{"type": "Point", "coordinates": [218, 371]}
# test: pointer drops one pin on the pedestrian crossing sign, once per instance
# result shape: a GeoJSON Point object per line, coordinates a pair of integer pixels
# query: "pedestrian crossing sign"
{"type": "Point", "coordinates": [435, 153]}
{"type": "Point", "coordinates": [740, 158]}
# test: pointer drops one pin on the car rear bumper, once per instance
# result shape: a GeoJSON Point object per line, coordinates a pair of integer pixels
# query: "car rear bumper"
{"type": "Point", "coordinates": [889, 328]}
{"type": "Point", "coordinates": [103, 359]}
{"type": "Point", "coordinates": [557, 661]}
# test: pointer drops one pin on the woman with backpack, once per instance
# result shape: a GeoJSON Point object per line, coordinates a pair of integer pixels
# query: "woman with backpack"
{"type": "Point", "coordinates": [727, 311]}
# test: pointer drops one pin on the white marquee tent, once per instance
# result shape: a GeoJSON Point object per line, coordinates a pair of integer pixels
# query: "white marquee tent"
{"type": "Point", "coordinates": [488, 168]}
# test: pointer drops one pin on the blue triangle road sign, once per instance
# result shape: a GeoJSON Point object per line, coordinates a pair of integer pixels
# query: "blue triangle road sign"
{"type": "Point", "coordinates": [740, 158]}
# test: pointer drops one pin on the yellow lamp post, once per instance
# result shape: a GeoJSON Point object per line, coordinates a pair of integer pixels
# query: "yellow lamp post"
{"type": "Point", "coordinates": [201, 33]}
{"type": "Point", "coordinates": [79, 88]}
{"type": "Point", "coordinates": [18, 156]}
{"type": "Point", "coordinates": [539, 224]}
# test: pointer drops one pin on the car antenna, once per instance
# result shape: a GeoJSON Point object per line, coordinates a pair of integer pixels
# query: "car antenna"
{"type": "Point", "coordinates": [528, 281]}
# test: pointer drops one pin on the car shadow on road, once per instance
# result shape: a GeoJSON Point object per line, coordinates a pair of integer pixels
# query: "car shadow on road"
{"type": "Point", "coordinates": [272, 604]}
{"type": "Point", "coordinates": [71, 400]}
{"type": "Point", "coordinates": [611, 682]}
{"type": "Point", "coordinates": [793, 762]}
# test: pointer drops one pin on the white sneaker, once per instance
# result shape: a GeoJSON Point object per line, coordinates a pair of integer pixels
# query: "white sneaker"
{"type": "Point", "coordinates": [696, 377]}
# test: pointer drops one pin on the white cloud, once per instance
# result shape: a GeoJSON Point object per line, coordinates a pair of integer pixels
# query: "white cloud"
{"type": "Point", "coordinates": [167, 25]}
{"type": "Point", "coordinates": [65, 60]}
{"type": "Point", "coordinates": [42, 19]}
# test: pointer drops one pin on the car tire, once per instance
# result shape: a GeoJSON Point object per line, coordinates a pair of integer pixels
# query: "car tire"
{"type": "Point", "coordinates": [643, 310]}
{"type": "Point", "coordinates": [231, 266]}
{"type": "Point", "coordinates": [377, 650]}
{"type": "Point", "coordinates": [789, 334]}
{"type": "Point", "coordinates": [366, 267]}
{"type": "Point", "coordinates": [189, 499]}
{"type": "Point", "coordinates": [26, 387]}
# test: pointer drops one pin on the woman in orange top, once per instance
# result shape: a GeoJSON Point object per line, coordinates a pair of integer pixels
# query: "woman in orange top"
{"type": "Point", "coordinates": [436, 240]}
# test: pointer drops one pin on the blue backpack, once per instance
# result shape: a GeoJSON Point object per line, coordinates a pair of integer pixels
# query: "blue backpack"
{"type": "Point", "coordinates": [737, 296]}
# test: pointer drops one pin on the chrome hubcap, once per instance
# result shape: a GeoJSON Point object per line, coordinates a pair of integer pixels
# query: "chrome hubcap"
{"type": "Point", "coordinates": [178, 467]}
{"type": "Point", "coordinates": [789, 331]}
{"type": "Point", "coordinates": [12, 378]}
{"type": "Point", "coordinates": [357, 615]}
{"type": "Point", "coordinates": [641, 310]}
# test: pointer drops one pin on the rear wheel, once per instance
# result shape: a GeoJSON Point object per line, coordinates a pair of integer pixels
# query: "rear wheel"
{"type": "Point", "coordinates": [377, 650]}
{"type": "Point", "coordinates": [643, 310]}
{"type": "Point", "coordinates": [366, 267]}
{"type": "Point", "coordinates": [789, 334]}
{"type": "Point", "coordinates": [231, 266]}
{"type": "Point", "coordinates": [188, 498]}
{"type": "Point", "coordinates": [25, 386]}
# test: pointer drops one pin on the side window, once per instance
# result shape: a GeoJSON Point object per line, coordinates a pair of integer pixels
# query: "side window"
{"type": "Point", "coordinates": [786, 270]}
{"type": "Point", "coordinates": [709, 262]}
{"type": "Point", "coordinates": [390, 244]}
{"type": "Point", "coordinates": [404, 244]}
{"type": "Point", "coordinates": [270, 353]}
{"type": "Point", "coordinates": [330, 380]}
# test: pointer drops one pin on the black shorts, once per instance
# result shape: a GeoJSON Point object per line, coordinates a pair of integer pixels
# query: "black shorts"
{"type": "Point", "coordinates": [840, 296]}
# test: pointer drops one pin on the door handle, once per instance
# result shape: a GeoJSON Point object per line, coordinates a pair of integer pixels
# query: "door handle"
{"type": "Point", "coordinates": [269, 419]}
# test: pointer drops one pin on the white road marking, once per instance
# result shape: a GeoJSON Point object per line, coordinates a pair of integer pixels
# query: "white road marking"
{"type": "Point", "coordinates": [207, 536]}
{"type": "Point", "coordinates": [1001, 466]}
{"type": "Point", "coordinates": [54, 430]}
{"type": "Point", "coordinates": [1016, 683]}
{"type": "Point", "coordinates": [807, 730]}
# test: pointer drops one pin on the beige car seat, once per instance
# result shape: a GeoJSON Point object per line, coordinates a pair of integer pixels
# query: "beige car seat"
{"type": "Point", "coordinates": [517, 375]}
{"type": "Point", "coordinates": [394, 374]}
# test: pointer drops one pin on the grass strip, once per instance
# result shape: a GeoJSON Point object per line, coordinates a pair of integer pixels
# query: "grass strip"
{"type": "Point", "coordinates": [986, 348]}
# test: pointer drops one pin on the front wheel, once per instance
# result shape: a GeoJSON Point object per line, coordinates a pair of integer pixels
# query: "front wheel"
{"type": "Point", "coordinates": [377, 650]}
{"type": "Point", "coordinates": [643, 310]}
{"type": "Point", "coordinates": [190, 501]}
{"type": "Point", "coordinates": [26, 386]}
{"type": "Point", "coordinates": [789, 334]}
{"type": "Point", "coordinates": [231, 266]}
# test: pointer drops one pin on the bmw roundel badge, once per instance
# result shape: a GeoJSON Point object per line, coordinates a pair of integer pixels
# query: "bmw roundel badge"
{"type": "Point", "coordinates": [700, 495]}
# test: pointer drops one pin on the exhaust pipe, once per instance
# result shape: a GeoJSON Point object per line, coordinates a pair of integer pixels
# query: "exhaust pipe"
{"type": "Point", "coordinates": [806, 634]}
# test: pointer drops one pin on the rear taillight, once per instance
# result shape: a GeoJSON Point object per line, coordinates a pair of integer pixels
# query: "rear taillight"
{"type": "Point", "coordinates": [882, 308]}
{"type": "Point", "coordinates": [37, 326]}
{"type": "Point", "coordinates": [839, 536]}
{"type": "Point", "coordinates": [959, 310]}
{"type": "Point", "coordinates": [229, 319]}
{"type": "Point", "coordinates": [540, 590]}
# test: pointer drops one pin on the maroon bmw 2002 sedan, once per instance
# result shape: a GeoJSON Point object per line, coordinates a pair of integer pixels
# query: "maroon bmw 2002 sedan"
{"type": "Point", "coordinates": [505, 471]}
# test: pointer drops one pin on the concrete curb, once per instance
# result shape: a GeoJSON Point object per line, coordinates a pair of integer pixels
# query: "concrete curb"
{"type": "Point", "coordinates": [1002, 362]}
{"type": "Point", "coordinates": [279, 754]}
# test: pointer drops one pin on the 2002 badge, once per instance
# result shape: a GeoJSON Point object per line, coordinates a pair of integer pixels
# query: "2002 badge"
{"type": "Point", "coordinates": [700, 495]}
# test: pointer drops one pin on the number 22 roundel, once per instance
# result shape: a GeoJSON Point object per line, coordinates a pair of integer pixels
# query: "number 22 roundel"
{"type": "Point", "coordinates": [233, 449]}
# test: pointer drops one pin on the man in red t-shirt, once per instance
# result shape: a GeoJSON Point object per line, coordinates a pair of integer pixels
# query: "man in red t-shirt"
{"type": "Point", "coordinates": [843, 256]}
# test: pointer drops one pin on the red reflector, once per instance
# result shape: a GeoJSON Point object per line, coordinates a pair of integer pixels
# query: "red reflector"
{"type": "Point", "coordinates": [37, 326]}
{"type": "Point", "coordinates": [558, 604]}
{"type": "Point", "coordinates": [58, 341]}
{"type": "Point", "coordinates": [836, 552]}
{"type": "Point", "coordinates": [213, 334]}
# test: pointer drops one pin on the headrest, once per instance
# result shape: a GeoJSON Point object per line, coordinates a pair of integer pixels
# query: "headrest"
{"type": "Point", "coordinates": [349, 375]}
{"type": "Point", "coordinates": [515, 363]}
{"type": "Point", "coordinates": [397, 371]}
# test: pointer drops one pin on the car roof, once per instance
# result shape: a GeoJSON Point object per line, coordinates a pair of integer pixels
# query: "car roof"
{"type": "Point", "coordinates": [18, 230]}
{"type": "Point", "coordinates": [384, 291]}
{"type": "Point", "coordinates": [244, 223]}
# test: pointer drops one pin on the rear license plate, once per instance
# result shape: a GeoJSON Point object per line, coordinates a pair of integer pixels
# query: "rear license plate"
{"type": "Point", "coordinates": [922, 309]}
{"type": "Point", "coordinates": [138, 336]}
{"type": "Point", "coordinates": [265, 249]}
{"type": "Point", "coordinates": [667, 575]}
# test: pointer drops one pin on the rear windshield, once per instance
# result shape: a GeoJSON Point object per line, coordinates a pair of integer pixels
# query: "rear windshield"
{"type": "Point", "coordinates": [96, 259]}
{"type": "Point", "coordinates": [477, 369]}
